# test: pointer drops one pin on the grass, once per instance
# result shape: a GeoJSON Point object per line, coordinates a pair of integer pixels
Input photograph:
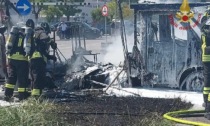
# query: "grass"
{"type": "Point", "coordinates": [45, 113]}
{"type": "Point", "coordinates": [31, 113]}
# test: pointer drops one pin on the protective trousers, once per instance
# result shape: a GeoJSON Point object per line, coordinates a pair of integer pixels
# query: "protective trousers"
{"type": "Point", "coordinates": [37, 71]}
{"type": "Point", "coordinates": [206, 89]}
{"type": "Point", "coordinates": [18, 71]}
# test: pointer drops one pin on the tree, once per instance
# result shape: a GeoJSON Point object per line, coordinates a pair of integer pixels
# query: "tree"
{"type": "Point", "coordinates": [112, 11]}
{"type": "Point", "coordinates": [36, 9]}
{"type": "Point", "coordinates": [96, 15]}
{"type": "Point", "coordinates": [129, 1]}
{"type": "Point", "coordinates": [51, 12]}
{"type": "Point", "coordinates": [70, 10]}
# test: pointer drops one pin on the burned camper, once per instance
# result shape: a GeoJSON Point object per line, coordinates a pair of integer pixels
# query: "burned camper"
{"type": "Point", "coordinates": [167, 44]}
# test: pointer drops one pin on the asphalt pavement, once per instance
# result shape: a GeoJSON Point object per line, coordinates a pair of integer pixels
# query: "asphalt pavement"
{"type": "Point", "coordinates": [96, 46]}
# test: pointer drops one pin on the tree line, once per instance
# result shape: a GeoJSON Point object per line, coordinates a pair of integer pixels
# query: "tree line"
{"type": "Point", "coordinates": [56, 12]}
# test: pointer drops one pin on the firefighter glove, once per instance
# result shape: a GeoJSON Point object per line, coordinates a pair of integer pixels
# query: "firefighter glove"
{"type": "Point", "coordinates": [54, 45]}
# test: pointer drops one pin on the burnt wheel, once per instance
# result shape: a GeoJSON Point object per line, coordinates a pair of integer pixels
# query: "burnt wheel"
{"type": "Point", "coordinates": [194, 81]}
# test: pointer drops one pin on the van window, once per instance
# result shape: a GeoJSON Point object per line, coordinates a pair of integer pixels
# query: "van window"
{"type": "Point", "coordinates": [154, 27]}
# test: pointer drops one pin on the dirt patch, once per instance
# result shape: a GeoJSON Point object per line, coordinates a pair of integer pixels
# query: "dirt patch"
{"type": "Point", "coordinates": [117, 111]}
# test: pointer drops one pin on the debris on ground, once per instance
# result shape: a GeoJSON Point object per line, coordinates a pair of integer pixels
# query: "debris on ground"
{"type": "Point", "coordinates": [116, 111]}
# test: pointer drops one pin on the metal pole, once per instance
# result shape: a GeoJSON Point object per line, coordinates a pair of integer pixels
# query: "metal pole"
{"type": "Point", "coordinates": [105, 30]}
{"type": "Point", "coordinates": [97, 3]}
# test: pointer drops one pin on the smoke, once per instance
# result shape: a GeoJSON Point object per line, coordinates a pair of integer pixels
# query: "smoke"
{"type": "Point", "coordinates": [114, 52]}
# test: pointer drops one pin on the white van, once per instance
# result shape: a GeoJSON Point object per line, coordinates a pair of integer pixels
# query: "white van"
{"type": "Point", "coordinates": [165, 48]}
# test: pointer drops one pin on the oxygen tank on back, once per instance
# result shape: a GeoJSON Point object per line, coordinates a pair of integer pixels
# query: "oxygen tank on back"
{"type": "Point", "coordinates": [27, 40]}
{"type": "Point", "coordinates": [12, 39]}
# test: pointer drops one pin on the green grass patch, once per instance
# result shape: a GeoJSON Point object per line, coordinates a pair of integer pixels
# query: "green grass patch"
{"type": "Point", "coordinates": [30, 113]}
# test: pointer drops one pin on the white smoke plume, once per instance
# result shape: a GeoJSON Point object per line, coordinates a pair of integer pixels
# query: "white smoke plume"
{"type": "Point", "coordinates": [114, 52]}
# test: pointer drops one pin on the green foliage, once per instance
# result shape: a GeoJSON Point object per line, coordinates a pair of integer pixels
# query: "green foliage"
{"type": "Point", "coordinates": [130, 1]}
{"type": "Point", "coordinates": [112, 11]}
{"type": "Point", "coordinates": [96, 15]}
{"type": "Point", "coordinates": [30, 113]}
{"type": "Point", "coordinates": [70, 10]}
{"type": "Point", "coordinates": [51, 12]}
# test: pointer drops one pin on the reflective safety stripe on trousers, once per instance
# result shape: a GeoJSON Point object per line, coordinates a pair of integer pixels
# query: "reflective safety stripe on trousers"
{"type": "Point", "coordinates": [205, 58]}
{"type": "Point", "coordinates": [22, 89]}
{"type": "Point", "coordinates": [36, 92]}
{"type": "Point", "coordinates": [11, 86]}
{"type": "Point", "coordinates": [206, 90]}
{"type": "Point", "coordinates": [38, 55]}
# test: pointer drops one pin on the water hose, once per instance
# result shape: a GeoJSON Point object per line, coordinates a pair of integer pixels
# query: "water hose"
{"type": "Point", "coordinates": [174, 116]}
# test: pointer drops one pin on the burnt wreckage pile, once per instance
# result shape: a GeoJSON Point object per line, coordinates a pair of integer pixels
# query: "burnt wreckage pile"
{"type": "Point", "coordinates": [82, 73]}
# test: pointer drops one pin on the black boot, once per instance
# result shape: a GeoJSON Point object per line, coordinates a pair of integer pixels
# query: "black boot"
{"type": "Point", "coordinates": [7, 98]}
{"type": "Point", "coordinates": [8, 94]}
{"type": "Point", "coordinates": [205, 99]}
{"type": "Point", "coordinates": [207, 114]}
{"type": "Point", "coordinates": [23, 96]}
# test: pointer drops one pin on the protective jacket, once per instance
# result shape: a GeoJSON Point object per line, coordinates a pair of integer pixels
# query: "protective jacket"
{"type": "Point", "coordinates": [205, 48]}
{"type": "Point", "coordinates": [40, 48]}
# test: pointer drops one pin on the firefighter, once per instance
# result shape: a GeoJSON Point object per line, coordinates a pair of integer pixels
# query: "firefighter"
{"type": "Point", "coordinates": [205, 17]}
{"type": "Point", "coordinates": [38, 61]}
{"type": "Point", "coordinates": [3, 72]}
{"type": "Point", "coordinates": [18, 65]}
{"type": "Point", "coordinates": [205, 38]}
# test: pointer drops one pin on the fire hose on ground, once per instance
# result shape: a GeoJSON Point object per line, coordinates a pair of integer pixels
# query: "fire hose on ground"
{"type": "Point", "coordinates": [176, 115]}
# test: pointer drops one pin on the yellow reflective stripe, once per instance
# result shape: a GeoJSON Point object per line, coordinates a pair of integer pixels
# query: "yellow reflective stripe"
{"type": "Point", "coordinates": [203, 43]}
{"type": "Point", "coordinates": [11, 86]}
{"type": "Point", "coordinates": [18, 56]}
{"type": "Point", "coordinates": [206, 88]}
{"type": "Point", "coordinates": [36, 92]}
{"type": "Point", "coordinates": [20, 42]}
{"type": "Point", "coordinates": [206, 92]}
{"type": "Point", "coordinates": [206, 58]}
{"type": "Point", "coordinates": [205, 14]}
{"type": "Point", "coordinates": [9, 39]}
{"type": "Point", "coordinates": [209, 97]}
{"type": "Point", "coordinates": [36, 55]}
{"type": "Point", "coordinates": [22, 89]}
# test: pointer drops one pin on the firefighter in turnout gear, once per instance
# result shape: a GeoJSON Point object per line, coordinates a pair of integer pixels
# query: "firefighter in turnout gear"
{"type": "Point", "coordinates": [17, 61]}
{"type": "Point", "coordinates": [205, 17]}
{"type": "Point", "coordinates": [38, 60]}
{"type": "Point", "coordinates": [205, 38]}
{"type": "Point", "coordinates": [3, 71]}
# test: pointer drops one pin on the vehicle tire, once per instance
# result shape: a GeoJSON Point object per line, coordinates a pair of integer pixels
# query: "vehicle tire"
{"type": "Point", "coordinates": [194, 81]}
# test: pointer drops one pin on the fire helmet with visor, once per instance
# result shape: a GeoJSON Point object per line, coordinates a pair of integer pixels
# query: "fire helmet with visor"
{"type": "Point", "coordinates": [206, 27]}
{"type": "Point", "coordinates": [30, 23]}
{"type": "Point", "coordinates": [46, 27]}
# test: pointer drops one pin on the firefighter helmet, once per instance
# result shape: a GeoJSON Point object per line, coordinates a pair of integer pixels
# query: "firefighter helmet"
{"type": "Point", "coordinates": [46, 27]}
{"type": "Point", "coordinates": [206, 27]}
{"type": "Point", "coordinates": [207, 12]}
{"type": "Point", "coordinates": [30, 23]}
